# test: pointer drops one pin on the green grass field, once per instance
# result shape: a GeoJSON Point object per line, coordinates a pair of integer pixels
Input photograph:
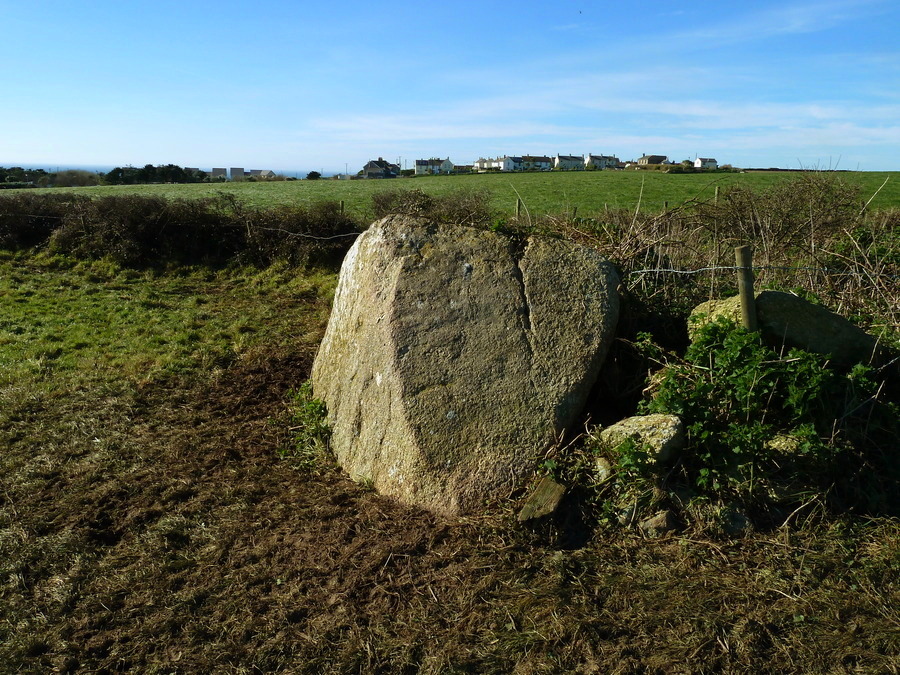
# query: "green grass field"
{"type": "Point", "coordinates": [542, 193]}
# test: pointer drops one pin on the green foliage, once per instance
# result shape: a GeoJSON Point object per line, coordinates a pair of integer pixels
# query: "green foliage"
{"type": "Point", "coordinates": [757, 419]}
{"type": "Point", "coordinates": [310, 433]}
{"type": "Point", "coordinates": [164, 173]}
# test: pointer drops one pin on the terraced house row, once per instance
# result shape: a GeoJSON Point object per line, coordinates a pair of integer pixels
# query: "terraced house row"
{"type": "Point", "coordinates": [434, 166]}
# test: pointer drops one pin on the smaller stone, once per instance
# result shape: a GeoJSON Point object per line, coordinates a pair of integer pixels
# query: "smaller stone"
{"type": "Point", "coordinates": [543, 500]}
{"type": "Point", "coordinates": [788, 321]}
{"type": "Point", "coordinates": [602, 469]}
{"type": "Point", "coordinates": [783, 444]}
{"type": "Point", "coordinates": [660, 524]}
{"type": "Point", "coordinates": [662, 435]}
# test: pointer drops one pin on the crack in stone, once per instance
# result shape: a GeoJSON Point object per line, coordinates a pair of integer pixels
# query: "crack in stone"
{"type": "Point", "coordinates": [519, 249]}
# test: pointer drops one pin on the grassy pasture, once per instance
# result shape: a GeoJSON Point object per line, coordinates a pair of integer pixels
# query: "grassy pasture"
{"type": "Point", "coordinates": [542, 193]}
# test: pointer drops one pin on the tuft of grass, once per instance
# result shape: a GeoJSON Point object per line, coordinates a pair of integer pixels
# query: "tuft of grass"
{"type": "Point", "coordinates": [310, 434]}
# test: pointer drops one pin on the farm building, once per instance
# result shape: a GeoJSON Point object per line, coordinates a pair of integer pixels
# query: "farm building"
{"type": "Point", "coordinates": [705, 163]}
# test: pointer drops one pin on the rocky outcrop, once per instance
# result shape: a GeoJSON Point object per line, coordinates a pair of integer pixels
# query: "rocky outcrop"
{"type": "Point", "coordinates": [786, 320]}
{"type": "Point", "coordinates": [455, 356]}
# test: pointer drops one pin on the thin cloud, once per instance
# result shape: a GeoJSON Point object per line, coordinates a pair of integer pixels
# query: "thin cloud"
{"type": "Point", "coordinates": [797, 18]}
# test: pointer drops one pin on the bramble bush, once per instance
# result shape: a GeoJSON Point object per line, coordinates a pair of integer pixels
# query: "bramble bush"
{"type": "Point", "coordinates": [766, 427]}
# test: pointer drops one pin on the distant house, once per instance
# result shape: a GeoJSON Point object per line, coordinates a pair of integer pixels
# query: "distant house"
{"type": "Point", "coordinates": [425, 167]}
{"type": "Point", "coordinates": [481, 165]}
{"type": "Point", "coordinates": [601, 162]}
{"type": "Point", "coordinates": [262, 173]}
{"type": "Point", "coordinates": [568, 163]}
{"type": "Point", "coordinates": [237, 173]}
{"type": "Point", "coordinates": [652, 159]}
{"type": "Point", "coordinates": [536, 163]}
{"type": "Point", "coordinates": [509, 163]}
{"type": "Point", "coordinates": [379, 168]}
{"type": "Point", "coordinates": [705, 163]}
{"type": "Point", "coordinates": [219, 173]}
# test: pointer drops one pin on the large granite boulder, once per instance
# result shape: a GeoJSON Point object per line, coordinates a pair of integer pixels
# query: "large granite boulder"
{"type": "Point", "coordinates": [785, 320]}
{"type": "Point", "coordinates": [454, 357]}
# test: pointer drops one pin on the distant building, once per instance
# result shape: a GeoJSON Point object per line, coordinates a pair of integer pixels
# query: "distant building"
{"type": "Point", "coordinates": [237, 173]}
{"type": "Point", "coordinates": [425, 167]}
{"type": "Point", "coordinates": [219, 173]}
{"type": "Point", "coordinates": [705, 163]}
{"type": "Point", "coordinates": [379, 168]}
{"type": "Point", "coordinates": [652, 159]}
{"type": "Point", "coordinates": [601, 162]}
{"type": "Point", "coordinates": [481, 165]}
{"type": "Point", "coordinates": [535, 163]}
{"type": "Point", "coordinates": [568, 163]}
{"type": "Point", "coordinates": [509, 163]}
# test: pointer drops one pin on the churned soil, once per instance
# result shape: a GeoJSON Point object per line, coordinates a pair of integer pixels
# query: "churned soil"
{"type": "Point", "coordinates": [175, 539]}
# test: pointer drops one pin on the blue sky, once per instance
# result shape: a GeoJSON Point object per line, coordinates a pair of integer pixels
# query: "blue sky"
{"type": "Point", "coordinates": [302, 85]}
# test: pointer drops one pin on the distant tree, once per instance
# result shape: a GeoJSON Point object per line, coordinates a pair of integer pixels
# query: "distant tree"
{"type": "Point", "coordinates": [75, 178]}
{"type": "Point", "coordinates": [164, 173]}
{"type": "Point", "coordinates": [313, 175]}
{"type": "Point", "coordinates": [16, 174]}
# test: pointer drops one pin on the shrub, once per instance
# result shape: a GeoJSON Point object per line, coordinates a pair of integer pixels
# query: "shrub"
{"type": "Point", "coordinates": [299, 235]}
{"type": "Point", "coordinates": [459, 207]}
{"type": "Point", "coordinates": [28, 219]}
{"type": "Point", "coordinates": [140, 231]}
{"type": "Point", "coordinates": [764, 427]}
{"type": "Point", "coordinates": [144, 231]}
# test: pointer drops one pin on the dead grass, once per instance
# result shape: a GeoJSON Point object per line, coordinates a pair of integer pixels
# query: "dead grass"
{"type": "Point", "coordinates": [182, 544]}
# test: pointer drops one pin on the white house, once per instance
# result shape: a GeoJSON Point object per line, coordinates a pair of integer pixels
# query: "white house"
{"type": "Point", "coordinates": [536, 163]}
{"type": "Point", "coordinates": [568, 163]}
{"type": "Point", "coordinates": [705, 163]}
{"type": "Point", "coordinates": [481, 165]}
{"type": "Point", "coordinates": [509, 163]}
{"type": "Point", "coordinates": [434, 165]}
{"type": "Point", "coordinates": [601, 162]}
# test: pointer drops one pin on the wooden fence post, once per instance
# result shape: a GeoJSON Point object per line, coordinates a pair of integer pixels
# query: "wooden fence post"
{"type": "Point", "coordinates": [518, 207]}
{"type": "Point", "coordinates": [342, 207]}
{"type": "Point", "coordinates": [744, 258]}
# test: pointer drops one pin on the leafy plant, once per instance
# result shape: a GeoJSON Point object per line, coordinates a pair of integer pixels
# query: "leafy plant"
{"type": "Point", "coordinates": [757, 419]}
{"type": "Point", "coordinates": [310, 432]}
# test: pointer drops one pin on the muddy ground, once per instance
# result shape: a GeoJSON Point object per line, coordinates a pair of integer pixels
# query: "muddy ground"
{"type": "Point", "coordinates": [173, 539]}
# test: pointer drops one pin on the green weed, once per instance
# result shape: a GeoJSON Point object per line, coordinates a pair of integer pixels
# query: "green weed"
{"type": "Point", "coordinates": [763, 426]}
{"type": "Point", "coordinates": [310, 433]}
